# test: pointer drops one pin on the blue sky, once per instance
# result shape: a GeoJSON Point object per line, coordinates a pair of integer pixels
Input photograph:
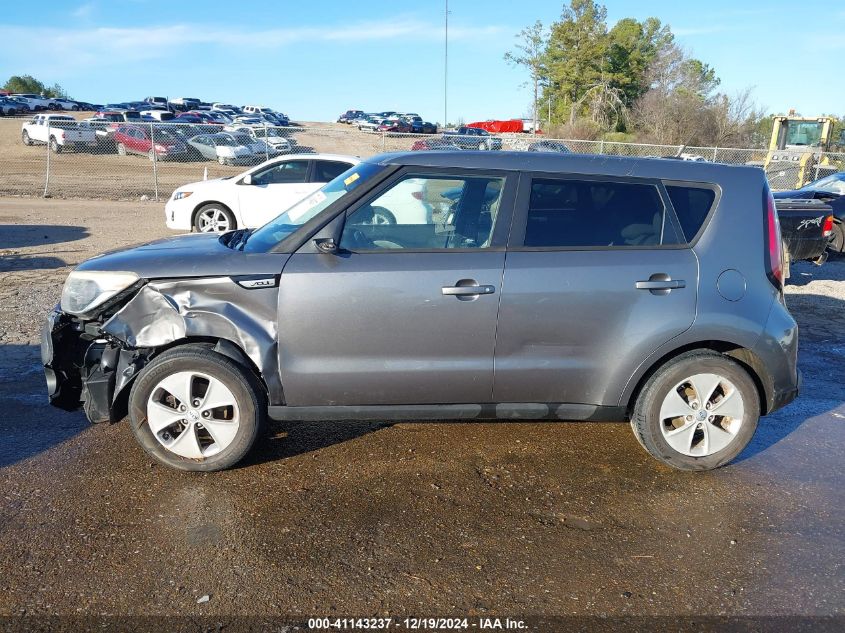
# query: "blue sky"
{"type": "Point", "coordinates": [315, 59]}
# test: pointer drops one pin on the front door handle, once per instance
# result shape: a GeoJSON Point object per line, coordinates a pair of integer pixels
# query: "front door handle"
{"type": "Point", "coordinates": [463, 291]}
{"type": "Point", "coordinates": [660, 284]}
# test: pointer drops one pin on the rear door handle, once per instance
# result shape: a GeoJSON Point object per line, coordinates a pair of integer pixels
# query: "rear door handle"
{"type": "Point", "coordinates": [463, 291]}
{"type": "Point", "coordinates": [668, 284]}
{"type": "Point", "coordinates": [660, 284]}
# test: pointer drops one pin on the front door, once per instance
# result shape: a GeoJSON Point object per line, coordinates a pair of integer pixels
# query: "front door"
{"type": "Point", "coordinates": [597, 278]}
{"type": "Point", "coordinates": [405, 312]}
{"type": "Point", "coordinates": [274, 189]}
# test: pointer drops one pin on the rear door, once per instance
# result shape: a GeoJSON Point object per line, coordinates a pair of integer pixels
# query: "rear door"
{"type": "Point", "coordinates": [598, 276]}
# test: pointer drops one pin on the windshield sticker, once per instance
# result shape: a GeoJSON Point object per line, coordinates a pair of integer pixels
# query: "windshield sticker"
{"type": "Point", "coordinates": [351, 179]}
{"type": "Point", "coordinates": [316, 198]}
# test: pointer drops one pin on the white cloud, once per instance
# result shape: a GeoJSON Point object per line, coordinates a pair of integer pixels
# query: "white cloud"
{"type": "Point", "coordinates": [99, 46]}
{"type": "Point", "coordinates": [83, 11]}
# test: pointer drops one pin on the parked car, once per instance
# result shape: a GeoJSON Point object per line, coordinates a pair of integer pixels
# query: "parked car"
{"type": "Point", "coordinates": [66, 104]}
{"type": "Point", "coordinates": [253, 197]}
{"type": "Point", "coordinates": [183, 104]}
{"type": "Point", "coordinates": [349, 116]}
{"type": "Point", "coordinates": [158, 101]}
{"type": "Point", "coordinates": [22, 106]}
{"type": "Point", "coordinates": [229, 149]}
{"type": "Point", "coordinates": [672, 320]}
{"type": "Point", "coordinates": [473, 138]}
{"type": "Point", "coordinates": [225, 107]}
{"type": "Point", "coordinates": [371, 124]}
{"type": "Point", "coordinates": [395, 126]}
{"type": "Point", "coordinates": [198, 116]}
{"type": "Point", "coordinates": [35, 102]}
{"type": "Point", "coordinates": [433, 144]}
{"type": "Point", "coordinates": [806, 227]}
{"type": "Point", "coordinates": [158, 115]}
{"type": "Point", "coordinates": [275, 138]}
{"type": "Point", "coordinates": [549, 146]}
{"type": "Point", "coordinates": [418, 126]}
{"type": "Point", "coordinates": [135, 139]}
{"type": "Point", "coordinates": [831, 191]}
{"type": "Point", "coordinates": [118, 116]}
{"type": "Point", "coordinates": [60, 131]}
{"type": "Point", "coordinates": [9, 107]}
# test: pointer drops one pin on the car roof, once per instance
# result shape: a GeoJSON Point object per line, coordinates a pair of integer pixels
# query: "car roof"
{"type": "Point", "coordinates": [585, 164]}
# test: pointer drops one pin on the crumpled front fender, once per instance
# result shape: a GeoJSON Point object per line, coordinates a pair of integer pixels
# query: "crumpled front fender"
{"type": "Point", "coordinates": [163, 313]}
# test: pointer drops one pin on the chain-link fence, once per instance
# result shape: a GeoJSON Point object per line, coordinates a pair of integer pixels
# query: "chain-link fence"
{"type": "Point", "coordinates": [60, 156]}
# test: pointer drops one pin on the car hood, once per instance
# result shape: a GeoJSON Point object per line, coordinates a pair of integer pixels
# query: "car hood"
{"type": "Point", "coordinates": [190, 255]}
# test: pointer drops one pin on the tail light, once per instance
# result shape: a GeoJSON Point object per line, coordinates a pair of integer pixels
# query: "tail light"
{"type": "Point", "coordinates": [827, 228]}
{"type": "Point", "coordinates": [774, 246]}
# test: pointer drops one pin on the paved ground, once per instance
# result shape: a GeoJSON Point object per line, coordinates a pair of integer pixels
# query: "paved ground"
{"type": "Point", "coordinates": [449, 519]}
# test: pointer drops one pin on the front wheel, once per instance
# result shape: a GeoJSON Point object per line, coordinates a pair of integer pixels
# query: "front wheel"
{"type": "Point", "coordinates": [221, 160]}
{"type": "Point", "coordinates": [25, 138]}
{"type": "Point", "coordinates": [151, 155]}
{"type": "Point", "coordinates": [194, 409]}
{"type": "Point", "coordinates": [121, 149]}
{"type": "Point", "coordinates": [214, 218]}
{"type": "Point", "coordinates": [697, 412]}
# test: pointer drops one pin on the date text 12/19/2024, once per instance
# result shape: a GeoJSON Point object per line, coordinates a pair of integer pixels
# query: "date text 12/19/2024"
{"type": "Point", "coordinates": [418, 624]}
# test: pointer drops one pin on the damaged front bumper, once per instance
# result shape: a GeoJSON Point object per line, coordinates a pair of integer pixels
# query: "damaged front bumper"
{"type": "Point", "coordinates": [84, 369]}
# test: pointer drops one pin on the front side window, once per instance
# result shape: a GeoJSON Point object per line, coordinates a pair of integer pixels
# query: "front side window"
{"type": "Point", "coordinates": [426, 212]}
{"type": "Point", "coordinates": [293, 171]}
{"type": "Point", "coordinates": [565, 213]}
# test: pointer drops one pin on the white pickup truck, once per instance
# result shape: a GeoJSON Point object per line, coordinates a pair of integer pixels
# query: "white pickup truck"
{"type": "Point", "coordinates": [59, 131]}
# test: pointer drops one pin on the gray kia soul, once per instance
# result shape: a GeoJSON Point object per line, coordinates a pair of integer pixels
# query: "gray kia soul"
{"type": "Point", "coordinates": [454, 286]}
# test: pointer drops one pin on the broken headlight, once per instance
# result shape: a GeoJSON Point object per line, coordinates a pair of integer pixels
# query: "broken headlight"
{"type": "Point", "coordinates": [86, 290]}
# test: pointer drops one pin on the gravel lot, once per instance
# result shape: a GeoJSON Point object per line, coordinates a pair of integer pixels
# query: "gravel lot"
{"type": "Point", "coordinates": [424, 519]}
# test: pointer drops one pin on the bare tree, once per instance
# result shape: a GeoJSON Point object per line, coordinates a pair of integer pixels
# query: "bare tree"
{"type": "Point", "coordinates": [530, 53]}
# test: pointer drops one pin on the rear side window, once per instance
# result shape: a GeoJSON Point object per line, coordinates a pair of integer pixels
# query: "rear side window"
{"type": "Point", "coordinates": [590, 213]}
{"type": "Point", "coordinates": [328, 170]}
{"type": "Point", "coordinates": [692, 204]}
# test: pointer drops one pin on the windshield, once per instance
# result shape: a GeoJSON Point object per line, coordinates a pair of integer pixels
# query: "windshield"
{"type": "Point", "coordinates": [804, 133]}
{"type": "Point", "coordinates": [832, 184]}
{"type": "Point", "coordinates": [265, 238]}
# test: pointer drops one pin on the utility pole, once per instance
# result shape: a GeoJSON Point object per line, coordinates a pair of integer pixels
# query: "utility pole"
{"type": "Point", "coordinates": [446, 69]}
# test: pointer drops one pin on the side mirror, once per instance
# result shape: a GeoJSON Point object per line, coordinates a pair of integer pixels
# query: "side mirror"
{"type": "Point", "coordinates": [326, 245]}
{"type": "Point", "coordinates": [247, 180]}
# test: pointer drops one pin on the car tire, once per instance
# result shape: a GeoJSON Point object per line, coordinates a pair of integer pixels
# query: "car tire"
{"type": "Point", "coordinates": [837, 238]}
{"type": "Point", "coordinates": [221, 160]}
{"type": "Point", "coordinates": [25, 138]}
{"type": "Point", "coordinates": [482, 146]}
{"type": "Point", "coordinates": [121, 149]}
{"type": "Point", "coordinates": [214, 218]}
{"type": "Point", "coordinates": [208, 438]}
{"type": "Point", "coordinates": [697, 440]}
{"type": "Point", "coordinates": [151, 155]}
{"type": "Point", "coordinates": [54, 145]}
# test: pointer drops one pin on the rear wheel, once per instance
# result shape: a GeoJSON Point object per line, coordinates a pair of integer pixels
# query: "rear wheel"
{"type": "Point", "coordinates": [193, 409]}
{"type": "Point", "coordinates": [54, 145]}
{"type": "Point", "coordinates": [213, 218]}
{"type": "Point", "coordinates": [697, 412]}
{"type": "Point", "coordinates": [837, 240]}
{"type": "Point", "coordinates": [221, 160]}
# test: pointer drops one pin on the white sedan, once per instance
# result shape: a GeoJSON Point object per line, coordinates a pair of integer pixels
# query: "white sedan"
{"type": "Point", "coordinates": [254, 197]}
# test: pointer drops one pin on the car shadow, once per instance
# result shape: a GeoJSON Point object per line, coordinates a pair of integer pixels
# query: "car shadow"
{"type": "Point", "coordinates": [23, 235]}
{"type": "Point", "coordinates": [29, 424]}
{"type": "Point", "coordinates": [291, 438]}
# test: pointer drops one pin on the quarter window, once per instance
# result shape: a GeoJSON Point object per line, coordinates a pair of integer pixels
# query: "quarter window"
{"type": "Point", "coordinates": [423, 212]}
{"type": "Point", "coordinates": [587, 213]}
{"type": "Point", "coordinates": [692, 204]}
